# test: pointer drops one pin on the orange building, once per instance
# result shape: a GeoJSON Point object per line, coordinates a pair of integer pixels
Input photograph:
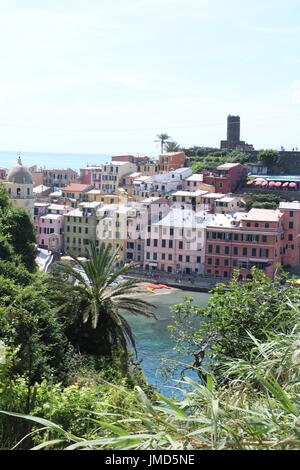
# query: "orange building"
{"type": "Point", "coordinates": [171, 161]}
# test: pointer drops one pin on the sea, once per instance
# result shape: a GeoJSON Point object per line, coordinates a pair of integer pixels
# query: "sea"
{"type": "Point", "coordinates": [161, 363]}
{"type": "Point", "coordinates": [53, 160]}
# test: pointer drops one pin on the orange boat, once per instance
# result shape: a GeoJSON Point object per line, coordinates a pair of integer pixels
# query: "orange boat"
{"type": "Point", "coordinates": [153, 287]}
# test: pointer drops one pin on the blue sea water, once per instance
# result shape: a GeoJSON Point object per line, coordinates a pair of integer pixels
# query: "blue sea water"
{"type": "Point", "coordinates": [52, 160]}
{"type": "Point", "coordinates": [154, 342]}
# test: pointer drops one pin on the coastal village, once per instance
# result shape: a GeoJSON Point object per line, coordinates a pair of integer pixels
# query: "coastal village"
{"type": "Point", "coordinates": [174, 224]}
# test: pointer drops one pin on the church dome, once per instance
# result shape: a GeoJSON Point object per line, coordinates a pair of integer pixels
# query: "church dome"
{"type": "Point", "coordinates": [19, 174]}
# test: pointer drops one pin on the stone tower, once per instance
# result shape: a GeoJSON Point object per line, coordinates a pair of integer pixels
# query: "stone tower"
{"type": "Point", "coordinates": [233, 141]}
{"type": "Point", "coordinates": [233, 130]}
{"type": "Point", "coordinates": [19, 186]}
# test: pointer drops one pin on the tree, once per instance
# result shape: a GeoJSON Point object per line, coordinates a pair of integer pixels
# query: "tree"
{"type": "Point", "coordinates": [268, 157]}
{"type": "Point", "coordinates": [220, 330]}
{"type": "Point", "coordinates": [162, 138]}
{"type": "Point", "coordinates": [18, 227]}
{"type": "Point", "coordinates": [172, 146]}
{"type": "Point", "coordinates": [17, 233]}
{"type": "Point", "coordinates": [98, 327]}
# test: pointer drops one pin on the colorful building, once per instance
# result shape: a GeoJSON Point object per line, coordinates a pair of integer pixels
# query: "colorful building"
{"type": "Point", "coordinates": [171, 161]}
{"type": "Point", "coordinates": [80, 228]}
{"type": "Point", "coordinates": [226, 178]}
{"type": "Point", "coordinates": [76, 193]}
{"type": "Point", "coordinates": [59, 177]}
{"type": "Point", "coordinates": [176, 243]}
{"type": "Point", "coordinates": [243, 240]}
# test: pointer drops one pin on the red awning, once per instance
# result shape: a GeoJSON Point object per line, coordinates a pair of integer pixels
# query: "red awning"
{"type": "Point", "coordinates": [292, 185]}
{"type": "Point", "coordinates": [265, 183]}
{"type": "Point", "coordinates": [258, 183]}
{"type": "Point", "coordinates": [272, 183]}
{"type": "Point", "coordinates": [278, 184]}
{"type": "Point", "coordinates": [285, 185]}
{"type": "Point", "coordinates": [250, 182]}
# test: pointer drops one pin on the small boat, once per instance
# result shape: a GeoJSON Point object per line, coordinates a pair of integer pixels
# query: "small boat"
{"type": "Point", "coordinates": [154, 287]}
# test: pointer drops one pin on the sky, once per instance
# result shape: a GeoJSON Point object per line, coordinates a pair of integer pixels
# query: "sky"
{"type": "Point", "coordinates": [102, 76]}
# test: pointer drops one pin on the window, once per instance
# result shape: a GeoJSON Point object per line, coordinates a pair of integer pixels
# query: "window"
{"type": "Point", "coordinates": [163, 256]}
{"type": "Point", "coordinates": [267, 225]}
{"type": "Point", "coordinates": [155, 242]}
{"type": "Point", "coordinates": [291, 224]}
{"type": "Point", "coordinates": [180, 258]}
{"type": "Point", "coordinates": [235, 251]}
{"type": "Point", "coordinates": [291, 213]}
{"type": "Point", "coordinates": [147, 255]}
{"type": "Point", "coordinates": [226, 262]}
{"type": "Point", "coordinates": [245, 251]}
{"type": "Point", "coordinates": [264, 238]}
{"type": "Point", "coordinates": [209, 261]}
{"type": "Point", "coordinates": [290, 238]}
{"type": "Point", "coordinates": [180, 245]}
{"type": "Point", "coordinates": [170, 257]}
{"type": "Point", "coordinates": [170, 243]}
{"type": "Point", "coordinates": [163, 243]}
{"type": "Point", "coordinates": [218, 249]}
{"type": "Point", "coordinates": [199, 259]}
{"type": "Point", "coordinates": [187, 259]}
{"type": "Point", "coordinates": [210, 248]}
{"type": "Point", "coordinates": [253, 252]}
{"type": "Point", "coordinates": [226, 250]}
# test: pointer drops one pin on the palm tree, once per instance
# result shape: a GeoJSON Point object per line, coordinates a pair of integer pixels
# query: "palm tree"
{"type": "Point", "coordinates": [172, 146]}
{"type": "Point", "coordinates": [162, 138]}
{"type": "Point", "coordinates": [102, 329]}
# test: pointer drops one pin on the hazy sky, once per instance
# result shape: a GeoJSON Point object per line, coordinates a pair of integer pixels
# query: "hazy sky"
{"type": "Point", "coordinates": [105, 76]}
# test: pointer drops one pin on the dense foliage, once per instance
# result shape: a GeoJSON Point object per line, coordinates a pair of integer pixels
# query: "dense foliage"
{"type": "Point", "coordinates": [17, 234]}
{"type": "Point", "coordinates": [221, 330]}
{"type": "Point", "coordinates": [206, 160]}
{"type": "Point", "coordinates": [258, 409]}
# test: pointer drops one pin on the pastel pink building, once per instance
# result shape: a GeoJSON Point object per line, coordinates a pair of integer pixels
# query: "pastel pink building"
{"type": "Point", "coordinates": [176, 243]}
{"type": "Point", "coordinates": [139, 219]}
{"type": "Point", "coordinates": [49, 223]}
{"type": "Point", "coordinates": [91, 176]}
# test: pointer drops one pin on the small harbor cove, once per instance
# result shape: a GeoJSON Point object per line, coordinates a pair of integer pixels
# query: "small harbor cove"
{"type": "Point", "coordinates": [153, 339]}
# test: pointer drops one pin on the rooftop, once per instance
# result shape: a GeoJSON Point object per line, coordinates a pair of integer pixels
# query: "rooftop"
{"type": "Point", "coordinates": [295, 205]}
{"type": "Point", "coordinates": [227, 166]}
{"type": "Point", "coordinates": [263, 215]}
{"type": "Point", "coordinates": [184, 218]}
{"type": "Point", "coordinates": [189, 193]}
{"type": "Point", "coordinates": [225, 220]}
{"type": "Point", "coordinates": [77, 187]}
{"type": "Point", "coordinates": [214, 195]}
{"type": "Point", "coordinates": [51, 216]}
{"type": "Point", "coordinates": [195, 177]}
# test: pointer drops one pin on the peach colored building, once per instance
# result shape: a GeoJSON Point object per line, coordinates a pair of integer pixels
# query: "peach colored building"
{"type": "Point", "coordinates": [171, 161]}
{"type": "Point", "coordinates": [240, 241]}
{"type": "Point", "coordinates": [291, 249]}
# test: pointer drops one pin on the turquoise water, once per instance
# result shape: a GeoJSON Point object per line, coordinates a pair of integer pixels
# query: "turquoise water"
{"type": "Point", "coordinates": [52, 160]}
{"type": "Point", "coordinates": [153, 339]}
